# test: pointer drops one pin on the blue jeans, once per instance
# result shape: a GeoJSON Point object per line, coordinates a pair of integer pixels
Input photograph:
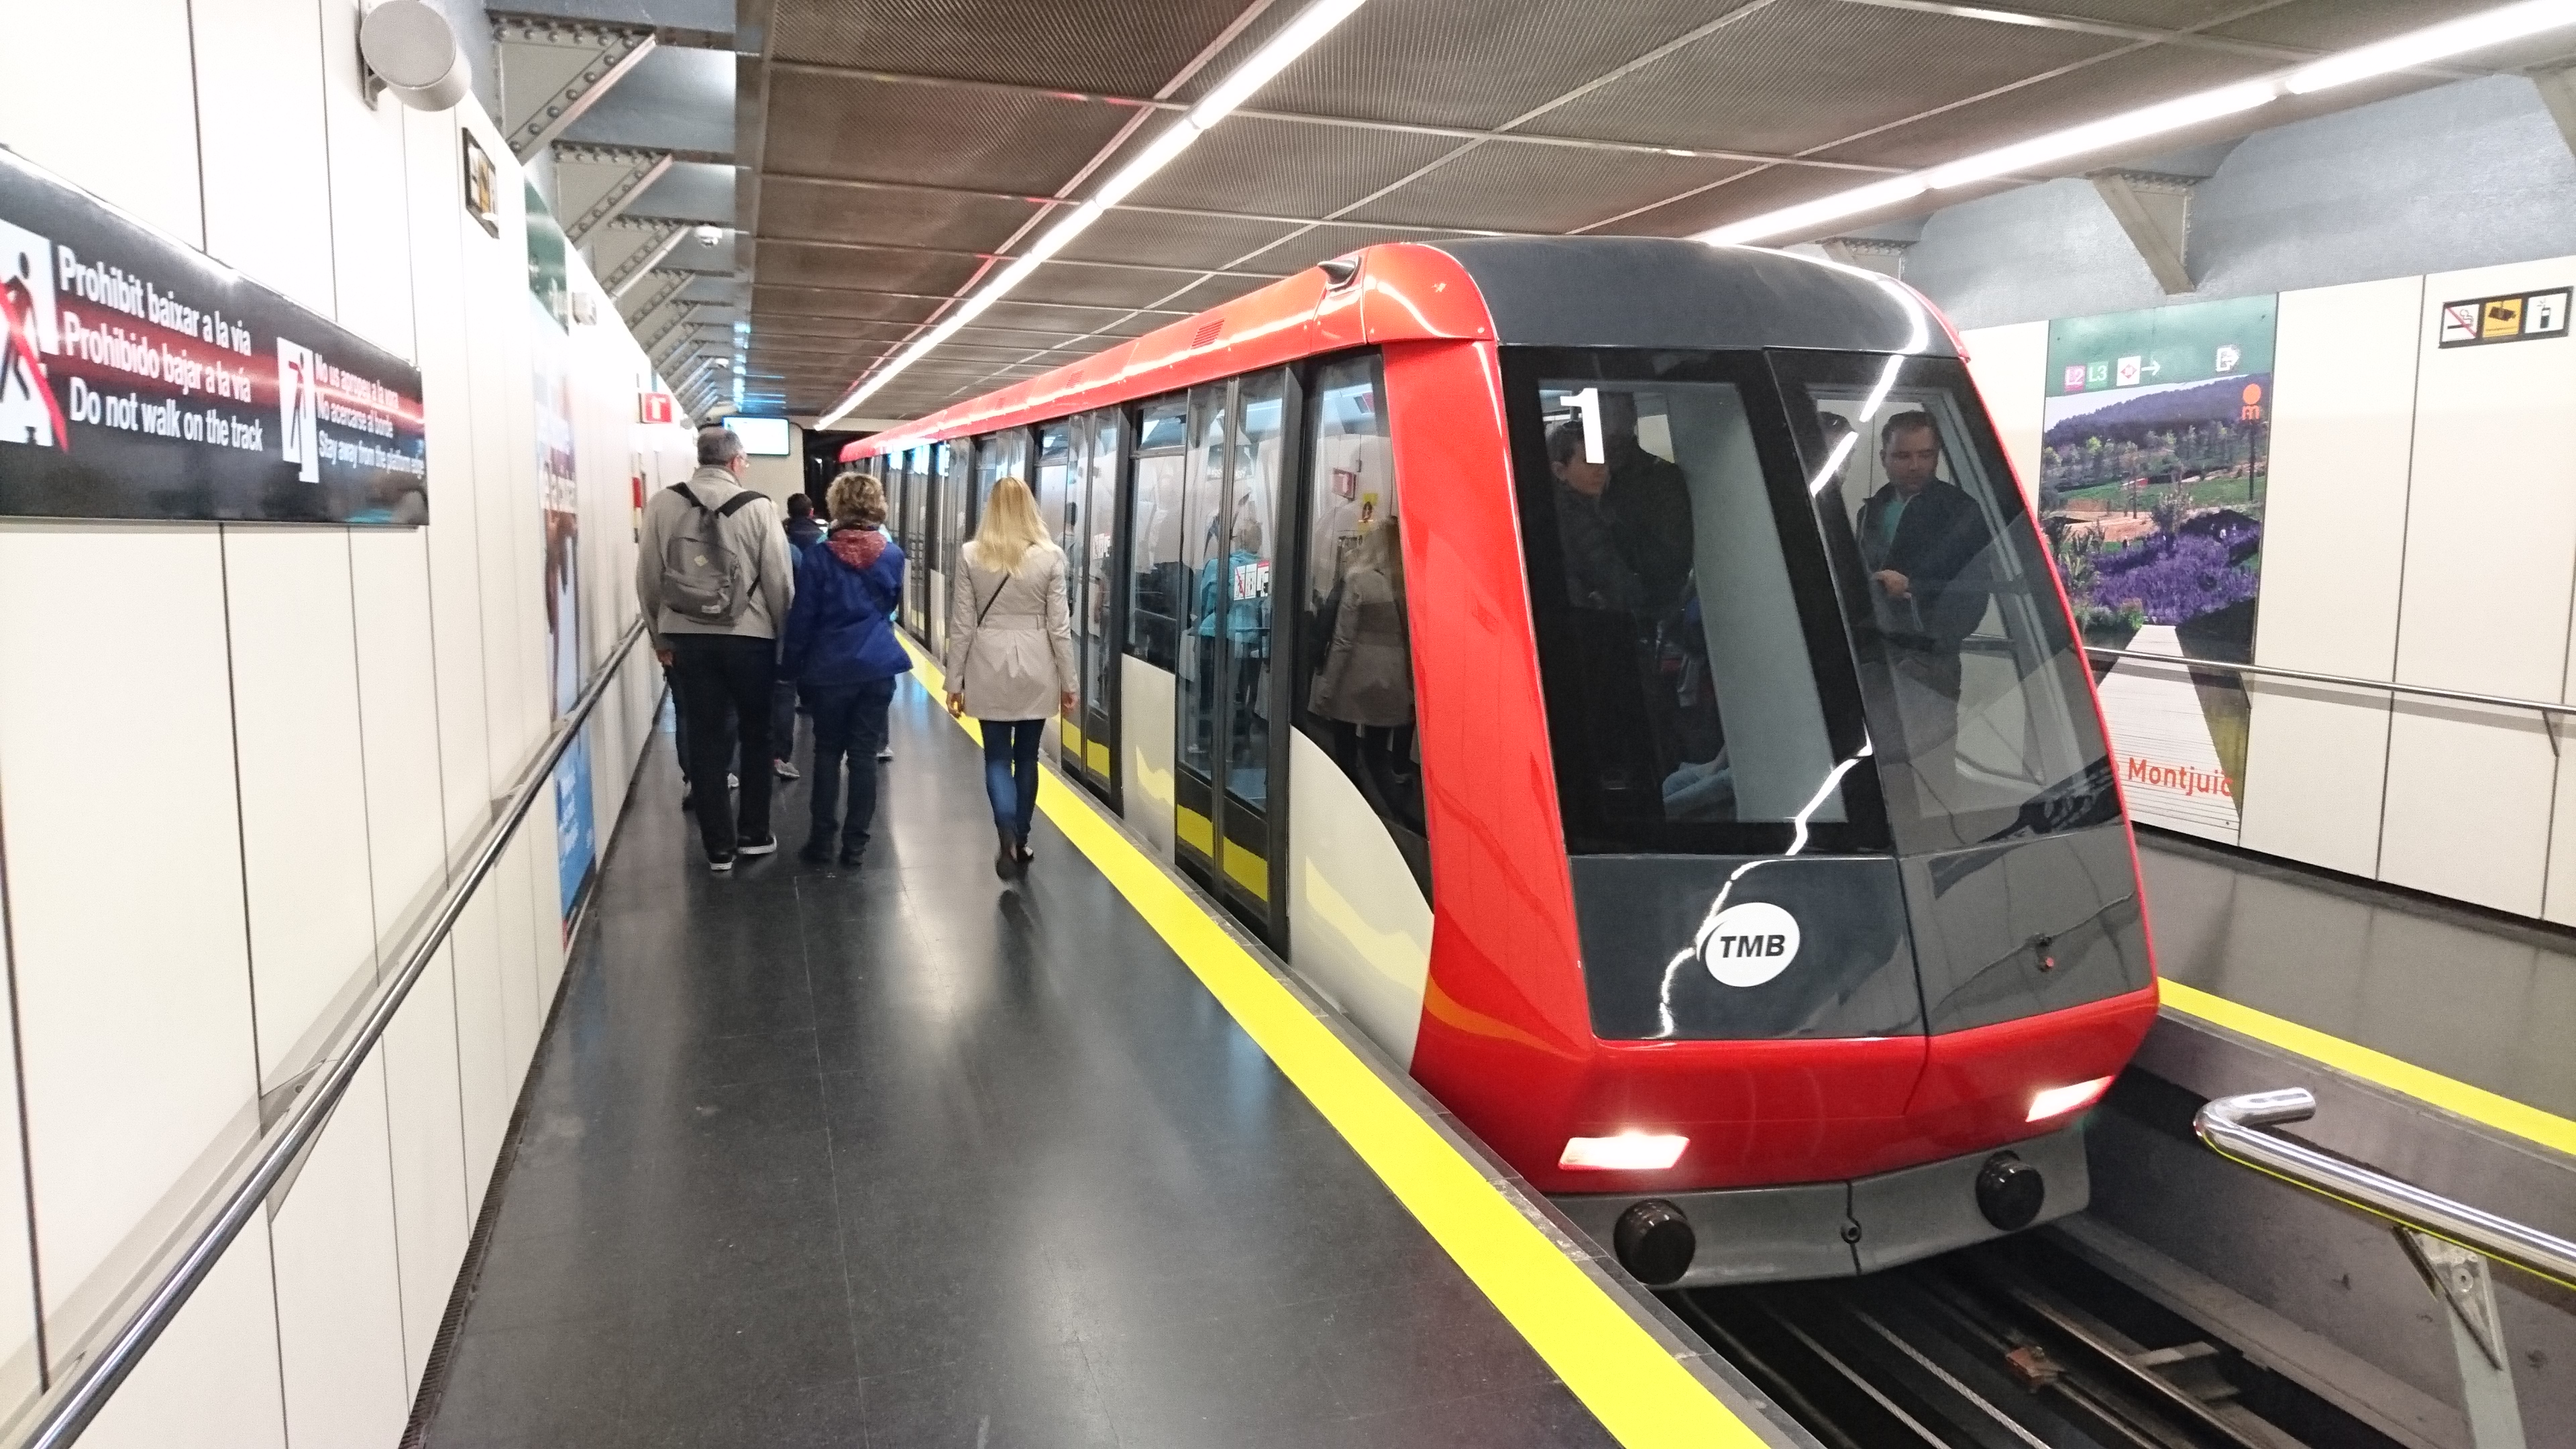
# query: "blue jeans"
{"type": "Point", "coordinates": [849, 720]}
{"type": "Point", "coordinates": [1011, 771]}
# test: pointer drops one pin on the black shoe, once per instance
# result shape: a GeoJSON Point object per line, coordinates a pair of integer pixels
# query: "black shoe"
{"type": "Point", "coordinates": [765, 845]}
{"type": "Point", "coordinates": [816, 852]}
{"type": "Point", "coordinates": [720, 864]}
{"type": "Point", "coordinates": [884, 753]}
{"type": "Point", "coordinates": [850, 855]}
{"type": "Point", "coordinates": [1026, 855]}
{"type": "Point", "coordinates": [1007, 857]}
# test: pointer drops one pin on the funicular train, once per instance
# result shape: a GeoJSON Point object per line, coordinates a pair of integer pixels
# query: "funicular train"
{"type": "Point", "coordinates": [1623, 676]}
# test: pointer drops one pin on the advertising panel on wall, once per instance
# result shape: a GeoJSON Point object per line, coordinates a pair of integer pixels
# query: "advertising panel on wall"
{"type": "Point", "coordinates": [140, 378]}
{"type": "Point", "coordinates": [550, 353]}
{"type": "Point", "coordinates": [2154, 454]}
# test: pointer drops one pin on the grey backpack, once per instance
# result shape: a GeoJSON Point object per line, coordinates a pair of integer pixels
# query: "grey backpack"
{"type": "Point", "coordinates": [702, 577]}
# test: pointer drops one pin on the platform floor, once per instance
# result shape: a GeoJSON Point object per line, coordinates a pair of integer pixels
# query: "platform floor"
{"type": "Point", "coordinates": [2471, 996]}
{"type": "Point", "coordinates": [903, 1157]}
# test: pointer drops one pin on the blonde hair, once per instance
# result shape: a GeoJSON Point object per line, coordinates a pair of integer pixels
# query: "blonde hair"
{"type": "Point", "coordinates": [1010, 529]}
{"type": "Point", "coordinates": [857, 498]}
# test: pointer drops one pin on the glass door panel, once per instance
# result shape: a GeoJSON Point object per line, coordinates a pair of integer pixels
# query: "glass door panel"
{"type": "Point", "coordinates": [1052, 487]}
{"type": "Point", "coordinates": [1252, 535]}
{"type": "Point", "coordinates": [1201, 682]}
{"type": "Point", "coordinates": [1157, 580]}
{"type": "Point", "coordinates": [1096, 531]}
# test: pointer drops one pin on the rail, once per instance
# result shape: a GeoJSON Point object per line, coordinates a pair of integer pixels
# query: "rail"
{"type": "Point", "coordinates": [2233, 1126]}
{"type": "Point", "coordinates": [2544, 707]}
{"type": "Point", "coordinates": [76, 1394]}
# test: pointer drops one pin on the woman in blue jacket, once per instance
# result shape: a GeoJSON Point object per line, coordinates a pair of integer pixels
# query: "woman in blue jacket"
{"type": "Point", "coordinates": [842, 653]}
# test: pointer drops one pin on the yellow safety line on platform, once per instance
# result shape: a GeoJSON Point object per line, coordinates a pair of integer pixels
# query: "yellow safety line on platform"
{"type": "Point", "coordinates": [2479, 1105]}
{"type": "Point", "coordinates": [1629, 1381]}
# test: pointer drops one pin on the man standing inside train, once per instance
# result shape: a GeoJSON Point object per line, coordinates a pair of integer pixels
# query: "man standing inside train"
{"type": "Point", "coordinates": [1922, 540]}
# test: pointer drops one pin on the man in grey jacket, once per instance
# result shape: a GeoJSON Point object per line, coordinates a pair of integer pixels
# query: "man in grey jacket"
{"type": "Point", "coordinates": [721, 666]}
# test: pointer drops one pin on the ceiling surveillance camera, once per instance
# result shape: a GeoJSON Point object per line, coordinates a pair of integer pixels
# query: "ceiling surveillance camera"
{"type": "Point", "coordinates": [407, 48]}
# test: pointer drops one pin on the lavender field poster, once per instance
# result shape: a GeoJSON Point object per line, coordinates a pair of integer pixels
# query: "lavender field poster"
{"type": "Point", "coordinates": [2154, 453]}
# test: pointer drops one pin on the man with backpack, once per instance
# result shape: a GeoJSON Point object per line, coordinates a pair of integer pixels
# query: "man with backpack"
{"type": "Point", "coordinates": [715, 581]}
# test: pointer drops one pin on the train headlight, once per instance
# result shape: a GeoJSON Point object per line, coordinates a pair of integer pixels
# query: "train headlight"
{"type": "Point", "coordinates": [2058, 1101]}
{"type": "Point", "coordinates": [1627, 1152]}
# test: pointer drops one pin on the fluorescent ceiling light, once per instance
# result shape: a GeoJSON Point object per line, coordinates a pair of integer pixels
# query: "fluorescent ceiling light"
{"type": "Point", "coordinates": [2099, 135]}
{"type": "Point", "coordinates": [1627, 1152]}
{"type": "Point", "coordinates": [1790, 220]}
{"type": "Point", "coordinates": [1299, 36]}
{"type": "Point", "coordinates": [2417, 47]}
{"type": "Point", "coordinates": [2434, 42]}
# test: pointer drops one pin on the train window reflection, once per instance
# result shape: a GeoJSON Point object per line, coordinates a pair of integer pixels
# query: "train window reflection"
{"type": "Point", "coordinates": [1682, 699]}
{"type": "Point", "coordinates": [1157, 579]}
{"type": "Point", "coordinates": [1355, 638]}
{"type": "Point", "coordinates": [1969, 674]}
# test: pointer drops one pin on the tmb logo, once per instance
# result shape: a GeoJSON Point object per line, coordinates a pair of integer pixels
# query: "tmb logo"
{"type": "Point", "coordinates": [1748, 944]}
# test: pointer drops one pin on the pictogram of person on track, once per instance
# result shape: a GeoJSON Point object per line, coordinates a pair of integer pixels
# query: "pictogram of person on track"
{"type": "Point", "coordinates": [26, 390]}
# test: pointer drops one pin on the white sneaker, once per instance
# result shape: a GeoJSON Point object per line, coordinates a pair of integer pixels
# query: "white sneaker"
{"type": "Point", "coordinates": [768, 845]}
{"type": "Point", "coordinates": [884, 753]}
{"type": "Point", "coordinates": [732, 780]}
{"type": "Point", "coordinates": [786, 771]}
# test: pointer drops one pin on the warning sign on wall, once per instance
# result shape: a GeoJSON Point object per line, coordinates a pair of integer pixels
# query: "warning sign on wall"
{"type": "Point", "coordinates": [2521, 317]}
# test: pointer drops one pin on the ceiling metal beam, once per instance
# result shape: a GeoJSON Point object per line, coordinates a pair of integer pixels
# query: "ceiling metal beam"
{"type": "Point", "coordinates": [652, 242]}
{"type": "Point", "coordinates": [1199, 213]}
{"type": "Point", "coordinates": [595, 184]}
{"type": "Point", "coordinates": [1056, 261]}
{"type": "Point", "coordinates": [2558, 92]}
{"type": "Point", "coordinates": [1351, 123]}
{"type": "Point", "coordinates": [935, 297]}
{"type": "Point", "coordinates": [553, 69]}
{"type": "Point", "coordinates": [2085, 25]}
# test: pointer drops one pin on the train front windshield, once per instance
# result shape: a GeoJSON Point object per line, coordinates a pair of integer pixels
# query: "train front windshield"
{"type": "Point", "coordinates": [1792, 604]}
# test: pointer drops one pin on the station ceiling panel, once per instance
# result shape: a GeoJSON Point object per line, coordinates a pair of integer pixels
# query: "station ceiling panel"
{"type": "Point", "coordinates": [933, 139]}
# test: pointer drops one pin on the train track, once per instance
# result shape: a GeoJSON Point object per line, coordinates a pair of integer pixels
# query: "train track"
{"type": "Point", "coordinates": [2013, 1345]}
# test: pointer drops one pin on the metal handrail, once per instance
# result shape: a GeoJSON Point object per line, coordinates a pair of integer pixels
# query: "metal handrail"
{"type": "Point", "coordinates": [76, 1396]}
{"type": "Point", "coordinates": [2545, 707]}
{"type": "Point", "coordinates": [2232, 1127]}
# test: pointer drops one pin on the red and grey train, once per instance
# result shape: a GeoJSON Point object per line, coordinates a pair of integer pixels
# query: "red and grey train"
{"type": "Point", "coordinates": [1623, 676]}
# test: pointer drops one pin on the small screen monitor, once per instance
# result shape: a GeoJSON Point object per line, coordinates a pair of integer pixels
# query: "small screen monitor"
{"type": "Point", "coordinates": [763, 437]}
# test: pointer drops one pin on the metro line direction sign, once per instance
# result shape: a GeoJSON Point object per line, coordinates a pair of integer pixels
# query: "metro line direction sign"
{"type": "Point", "coordinates": [140, 378]}
{"type": "Point", "coordinates": [2514, 317]}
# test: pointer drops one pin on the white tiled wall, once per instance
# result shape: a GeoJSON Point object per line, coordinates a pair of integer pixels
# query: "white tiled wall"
{"type": "Point", "coordinates": [2421, 527]}
{"type": "Point", "coordinates": [2490, 557]}
{"type": "Point", "coordinates": [237, 761]}
{"type": "Point", "coordinates": [2334, 543]}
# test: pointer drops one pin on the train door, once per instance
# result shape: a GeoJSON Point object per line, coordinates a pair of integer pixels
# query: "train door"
{"type": "Point", "coordinates": [1155, 586]}
{"type": "Point", "coordinates": [1059, 458]}
{"type": "Point", "coordinates": [1224, 756]}
{"type": "Point", "coordinates": [916, 574]}
{"type": "Point", "coordinates": [952, 498]}
{"type": "Point", "coordinates": [1091, 533]}
{"type": "Point", "coordinates": [1359, 878]}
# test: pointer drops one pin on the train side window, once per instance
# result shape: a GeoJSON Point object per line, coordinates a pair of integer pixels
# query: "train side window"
{"type": "Point", "coordinates": [1356, 664]}
{"type": "Point", "coordinates": [1157, 580]}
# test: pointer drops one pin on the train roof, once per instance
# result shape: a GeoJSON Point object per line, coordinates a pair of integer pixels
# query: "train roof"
{"type": "Point", "coordinates": [1642, 292]}
{"type": "Point", "coordinates": [1639, 291]}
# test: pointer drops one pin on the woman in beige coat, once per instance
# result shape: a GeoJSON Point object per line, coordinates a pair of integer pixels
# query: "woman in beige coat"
{"type": "Point", "coordinates": [1010, 655]}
